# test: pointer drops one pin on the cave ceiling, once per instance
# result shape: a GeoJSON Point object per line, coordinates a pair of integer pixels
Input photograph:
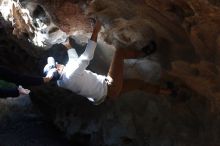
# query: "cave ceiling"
{"type": "Point", "coordinates": [186, 32]}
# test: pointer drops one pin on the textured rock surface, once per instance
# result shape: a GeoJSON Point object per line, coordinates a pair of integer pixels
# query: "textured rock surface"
{"type": "Point", "coordinates": [187, 35]}
{"type": "Point", "coordinates": [21, 124]}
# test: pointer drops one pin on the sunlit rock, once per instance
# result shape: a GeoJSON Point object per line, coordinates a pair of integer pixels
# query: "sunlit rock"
{"type": "Point", "coordinates": [30, 20]}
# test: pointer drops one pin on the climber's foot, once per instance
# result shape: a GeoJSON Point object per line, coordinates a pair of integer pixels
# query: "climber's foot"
{"type": "Point", "coordinates": [149, 48]}
{"type": "Point", "coordinates": [178, 93]}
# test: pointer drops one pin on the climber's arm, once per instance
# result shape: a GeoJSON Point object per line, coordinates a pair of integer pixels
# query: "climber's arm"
{"type": "Point", "coordinates": [96, 31]}
{"type": "Point", "coordinates": [13, 92]}
{"type": "Point", "coordinates": [88, 54]}
{"type": "Point", "coordinates": [9, 92]}
{"type": "Point", "coordinates": [19, 78]}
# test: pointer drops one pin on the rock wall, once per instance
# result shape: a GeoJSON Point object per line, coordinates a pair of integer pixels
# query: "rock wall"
{"type": "Point", "coordinates": [187, 35]}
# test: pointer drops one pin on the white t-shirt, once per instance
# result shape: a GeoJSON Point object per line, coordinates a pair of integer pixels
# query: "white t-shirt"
{"type": "Point", "coordinates": [76, 78]}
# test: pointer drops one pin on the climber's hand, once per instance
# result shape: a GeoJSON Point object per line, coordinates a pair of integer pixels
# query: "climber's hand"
{"type": "Point", "coordinates": [23, 91]}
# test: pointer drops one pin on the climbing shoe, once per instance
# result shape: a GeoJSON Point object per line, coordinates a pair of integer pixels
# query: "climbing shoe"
{"type": "Point", "coordinates": [174, 89]}
{"type": "Point", "coordinates": [72, 42]}
{"type": "Point", "coordinates": [178, 93]}
{"type": "Point", "coordinates": [150, 48]}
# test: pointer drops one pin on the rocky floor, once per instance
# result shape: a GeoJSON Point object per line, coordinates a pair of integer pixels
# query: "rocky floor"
{"type": "Point", "coordinates": [22, 125]}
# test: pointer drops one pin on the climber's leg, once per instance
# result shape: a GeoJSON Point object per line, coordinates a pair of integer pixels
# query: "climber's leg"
{"type": "Point", "coordinates": [116, 70]}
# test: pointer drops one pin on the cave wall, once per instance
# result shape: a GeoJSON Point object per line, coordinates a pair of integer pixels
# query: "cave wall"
{"type": "Point", "coordinates": [187, 35]}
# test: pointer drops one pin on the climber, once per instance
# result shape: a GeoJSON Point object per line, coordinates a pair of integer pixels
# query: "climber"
{"type": "Point", "coordinates": [74, 76]}
{"type": "Point", "coordinates": [19, 79]}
